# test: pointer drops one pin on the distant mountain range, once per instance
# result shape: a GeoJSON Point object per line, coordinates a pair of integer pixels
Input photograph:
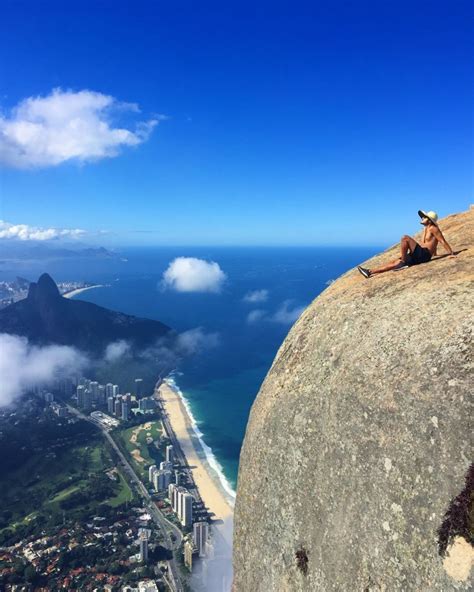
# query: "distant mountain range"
{"type": "Point", "coordinates": [14, 250]}
{"type": "Point", "coordinates": [46, 317]}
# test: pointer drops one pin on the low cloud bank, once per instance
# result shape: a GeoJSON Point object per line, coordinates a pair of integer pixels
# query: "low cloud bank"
{"type": "Point", "coordinates": [196, 341]}
{"type": "Point", "coordinates": [116, 349]}
{"type": "Point", "coordinates": [188, 274]}
{"type": "Point", "coordinates": [166, 350]}
{"type": "Point", "coordinates": [24, 366]}
{"type": "Point", "coordinates": [25, 232]}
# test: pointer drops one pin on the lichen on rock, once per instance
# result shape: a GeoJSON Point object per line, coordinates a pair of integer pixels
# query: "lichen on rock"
{"type": "Point", "coordinates": [368, 407]}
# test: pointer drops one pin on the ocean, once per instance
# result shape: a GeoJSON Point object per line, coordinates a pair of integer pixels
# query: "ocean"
{"type": "Point", "coordinates": [240, 328]}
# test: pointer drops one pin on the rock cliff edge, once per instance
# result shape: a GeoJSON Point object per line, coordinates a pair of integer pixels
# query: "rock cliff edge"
{"type": "Point", "coordinates": [356, 469]}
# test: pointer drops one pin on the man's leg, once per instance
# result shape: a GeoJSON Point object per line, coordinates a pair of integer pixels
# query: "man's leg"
{"type": "Point", "coordinates": [389, 266]}
{"type": "Point", "coordinates": [407, 243]}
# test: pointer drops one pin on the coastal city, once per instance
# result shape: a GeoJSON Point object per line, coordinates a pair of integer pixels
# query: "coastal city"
{"type": "Point", "coordinates": [154, 535]}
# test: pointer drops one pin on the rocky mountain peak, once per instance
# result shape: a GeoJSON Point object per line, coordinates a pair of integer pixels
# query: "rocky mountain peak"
{"type": "Point", "coordinates": [356, 468]}
{"type": "Point", "coordinates": [45, 289]}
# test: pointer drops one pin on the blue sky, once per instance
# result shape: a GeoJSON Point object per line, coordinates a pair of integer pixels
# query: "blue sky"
{"type": "Point", "coordinates": [286, 123]}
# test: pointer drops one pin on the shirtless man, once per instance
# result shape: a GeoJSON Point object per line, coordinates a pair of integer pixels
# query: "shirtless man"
{"type": "Point", "coordinates": [413, 253]}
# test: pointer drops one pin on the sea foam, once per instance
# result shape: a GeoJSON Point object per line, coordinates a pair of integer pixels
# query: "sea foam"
{"type": "Point", "coordinates": [210, 458]}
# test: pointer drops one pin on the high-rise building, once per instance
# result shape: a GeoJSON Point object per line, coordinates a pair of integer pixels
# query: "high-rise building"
{"type": "Point", "coordinates": [143, 536]}
{"type": "Point", "coordinates": [118, 406]}
{"type": "Point", "coordinates": [177, 477]}
{"type": "Point", "coordinates": [138, 387]}
{"type": "Point", "coordinates": [200, 536]}
{"type": "Point", "coordinates": [110, 405]}
{"type": "Point", "coordinates": [179, 501]}
{"type": "Point", "coordinates": [170, 454]}
{"type": "Point", "coordinates": [161, 480]}
{"type": "Point", "coordinates": [171, 493]}
{"type": "Point", "coordinates": [167, 475]}
{"type": "Point", "coordinates": [151, 472]}
{"type": "Point", "coordinates": [81, 389]}
{"type": "Point", "coordinates": [102, 397]}
{"type": "Point", "coordinates": [146, 404]}
{"type": "Point", "coordinates": [189, 549]}
{"type": "Point", "coordinates": [126, 407]}
{"type": "Point", "coordinates": [175, 499]}
{"type": "Point", "coordinates": [109, 389]}
{"type": "Point", "coordinates": [187, 510]}
{"type": "Point", "coordinates": [115, 390]}
{"type": "Point", "coordinates": [87, 400]}
{"type": "Point", "coordinates": [94, 389]}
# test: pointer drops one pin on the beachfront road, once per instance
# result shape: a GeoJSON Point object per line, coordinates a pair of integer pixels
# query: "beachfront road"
{"type": "Point", "coordinates": [163, 524]}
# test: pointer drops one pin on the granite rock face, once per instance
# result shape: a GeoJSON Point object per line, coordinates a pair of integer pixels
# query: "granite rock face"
{"type": "Point", "coordinates": [356, 469]}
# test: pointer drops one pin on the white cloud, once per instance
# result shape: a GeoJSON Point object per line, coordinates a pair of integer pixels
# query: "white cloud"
{"type": "Point", "coordinates": [256, 315]}
{"type": "Point", "coordinates": [188, 274]}
{"type": "Point", "coordinates": [116, 349]}
{"type": "Point", "coordinates": [287, 314]}
{"type": "Point", "coordinates": [196, 340]}
{"type": "Point", "coordinates": [189, 343]}
{"type": "Point", "coordinates": [24, 366]}
{"type": "Point", "coordinates": [25, 232]}
{"type": "Point", "coordinates": [256, 296]}
{"type": "Point", "coordinates": [67, 126]}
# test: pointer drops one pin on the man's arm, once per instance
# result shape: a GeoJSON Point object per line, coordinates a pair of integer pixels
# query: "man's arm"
{"type": "Point", "coordinates": [439, 235]}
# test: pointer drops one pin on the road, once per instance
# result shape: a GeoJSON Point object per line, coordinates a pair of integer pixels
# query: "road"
{"type": "Point", "coordinates": [164, 525]}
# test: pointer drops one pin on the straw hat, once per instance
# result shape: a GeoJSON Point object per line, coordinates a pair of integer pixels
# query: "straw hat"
{"type": "Point", "coordinates": [432, 216]}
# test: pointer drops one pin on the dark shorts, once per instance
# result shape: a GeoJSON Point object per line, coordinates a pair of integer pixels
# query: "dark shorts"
{"type": "Point", "coordinates": [419, 255]}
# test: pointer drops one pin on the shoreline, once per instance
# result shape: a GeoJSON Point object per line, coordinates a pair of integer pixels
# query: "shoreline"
{"type": "Point", "coordinates": [215, 468]}
{"type": "Point", "coordinates": [206, 477]}
{"type": "Point", "coordinates": [77, 291]}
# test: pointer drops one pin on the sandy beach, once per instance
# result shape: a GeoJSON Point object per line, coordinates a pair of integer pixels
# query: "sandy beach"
{"type": "Point", "coordinates": [79, 290]}
{"type": "Point", "coordinates": [211, 492]}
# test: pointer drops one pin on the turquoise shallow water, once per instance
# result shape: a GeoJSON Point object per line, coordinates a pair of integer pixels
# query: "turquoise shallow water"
{"type": "Point", "coordinates": [220, 381]}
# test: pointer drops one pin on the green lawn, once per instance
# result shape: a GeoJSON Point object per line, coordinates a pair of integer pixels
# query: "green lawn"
{"type": "Point", "coordinates": [123, 495]}
{"type": "Point", "coordinates": [141, 449]}
{"type": "Point", "coordinates": [39, 486]}
{"type": "Point", "coordinates": [63, 494]}
{"type": "Point", "coordinates": [44, 476]}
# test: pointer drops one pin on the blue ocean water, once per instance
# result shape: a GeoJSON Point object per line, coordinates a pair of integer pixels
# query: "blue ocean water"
{"type": "Point", "coordinates": [221, 380]}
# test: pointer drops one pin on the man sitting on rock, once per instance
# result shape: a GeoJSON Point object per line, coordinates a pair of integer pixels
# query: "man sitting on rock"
{"type": "Point", "coordinates": [413, 253]}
